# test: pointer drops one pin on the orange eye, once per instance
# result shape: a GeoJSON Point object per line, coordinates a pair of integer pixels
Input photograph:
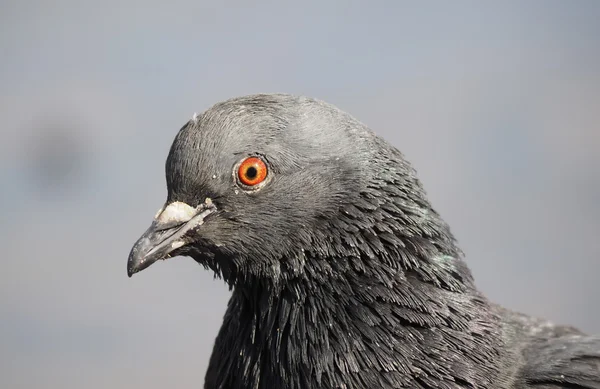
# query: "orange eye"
{"type": "Point", "coordinates": [252, 171]}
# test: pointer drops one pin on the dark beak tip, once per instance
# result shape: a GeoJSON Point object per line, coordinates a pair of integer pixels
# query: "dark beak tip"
{"type": "Point", "coordinates": [131, 261]}
{"type": "Point", "coordinates": [136, 261]}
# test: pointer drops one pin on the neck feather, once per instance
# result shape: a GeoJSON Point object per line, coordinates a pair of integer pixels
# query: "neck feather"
{"type": "Point", "coordinates": [358, 325]}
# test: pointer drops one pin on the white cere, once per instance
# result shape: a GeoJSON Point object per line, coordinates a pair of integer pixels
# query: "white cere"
{"type": "Point", "coordinates": [195, 117]}
{"type": "Point", "coordinates": [176, 212]}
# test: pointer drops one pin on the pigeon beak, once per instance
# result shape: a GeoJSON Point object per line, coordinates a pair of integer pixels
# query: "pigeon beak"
{"type": "Point", "coordinates": [167, 233]}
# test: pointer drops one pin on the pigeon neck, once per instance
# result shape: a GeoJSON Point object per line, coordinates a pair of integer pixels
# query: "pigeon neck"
{"type": "Point", "coordinates": [354, 326]}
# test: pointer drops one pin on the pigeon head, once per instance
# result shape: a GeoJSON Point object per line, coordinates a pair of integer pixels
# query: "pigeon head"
{"type": "Point", "coordinates": [263, 186]}
{"type": "Point", "coordinates": [343, 275]}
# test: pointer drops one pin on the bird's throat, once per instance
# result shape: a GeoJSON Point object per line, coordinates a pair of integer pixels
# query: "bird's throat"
{"type": "Point", "coordinates": [309, 334]}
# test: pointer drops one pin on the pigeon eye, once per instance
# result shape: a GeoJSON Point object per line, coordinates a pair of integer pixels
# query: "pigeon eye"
{"type": "Point", "coordinates": [252, 171]}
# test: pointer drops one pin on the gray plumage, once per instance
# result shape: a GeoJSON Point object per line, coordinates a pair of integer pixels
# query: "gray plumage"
{"type": "Point", "coordinates": [343, 275]}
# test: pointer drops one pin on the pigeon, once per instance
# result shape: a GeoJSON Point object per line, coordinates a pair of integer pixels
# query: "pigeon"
{"type": "Point", "coordinates": [342, 274]}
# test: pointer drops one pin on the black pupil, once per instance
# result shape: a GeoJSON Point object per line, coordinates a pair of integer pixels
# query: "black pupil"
{"type": "Point", "coordinates": [251, 173]}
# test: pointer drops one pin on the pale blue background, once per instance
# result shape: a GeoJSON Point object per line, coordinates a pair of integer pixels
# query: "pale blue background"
{"type": "Point", "coordinates": [496, 105]}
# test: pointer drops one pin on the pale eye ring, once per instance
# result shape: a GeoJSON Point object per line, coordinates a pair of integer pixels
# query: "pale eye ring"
{"type": "Point", "coordinates": [251, 172]}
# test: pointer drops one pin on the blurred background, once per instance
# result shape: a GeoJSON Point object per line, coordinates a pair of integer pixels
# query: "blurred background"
{"type": "Point", "coordinates": [496, 105]}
